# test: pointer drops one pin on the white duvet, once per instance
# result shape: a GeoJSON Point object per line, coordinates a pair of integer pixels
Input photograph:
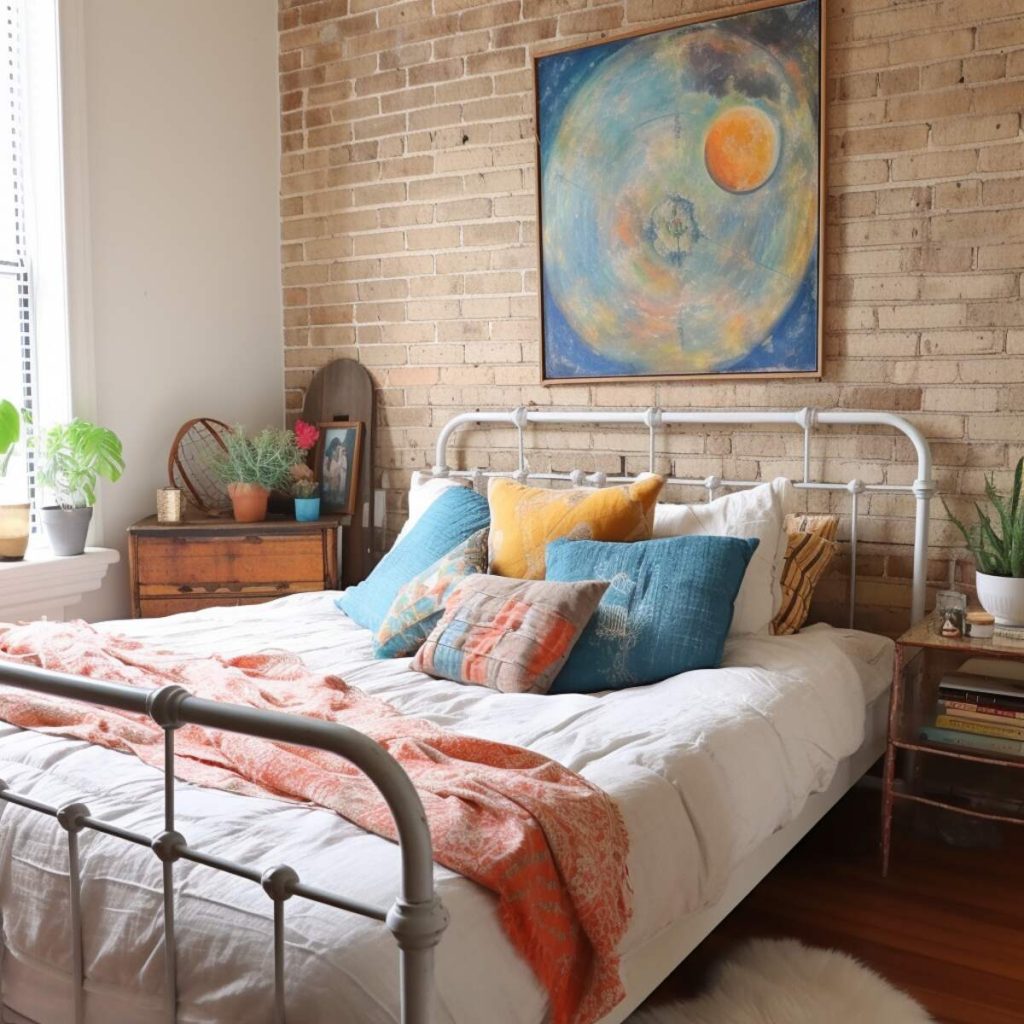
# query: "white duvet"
{"type": "Point", "coordinates": [704, 766]}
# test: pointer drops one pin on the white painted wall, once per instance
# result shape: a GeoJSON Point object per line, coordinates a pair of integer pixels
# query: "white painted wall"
{"type": "Point", "coordinates": [178, 212]}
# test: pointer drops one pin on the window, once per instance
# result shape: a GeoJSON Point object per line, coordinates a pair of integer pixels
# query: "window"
{"type": "Point", "coordinates": [16, 351]}
{"type": "Point", "coordinates": [33, 306]}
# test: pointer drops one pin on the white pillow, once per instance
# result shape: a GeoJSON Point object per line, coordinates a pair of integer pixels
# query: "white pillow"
{"type": "Point", "coordinates": [759, 512]}
{"type": "Point", "coordinates": [424, 490]}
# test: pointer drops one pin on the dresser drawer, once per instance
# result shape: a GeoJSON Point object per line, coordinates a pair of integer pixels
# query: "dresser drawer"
{"type": "Point", "coordinates": [157, 606]}
{"type": "Point", "coordinates": [270, 561]}
{"type": "Point", "coordinates": [226, 589]}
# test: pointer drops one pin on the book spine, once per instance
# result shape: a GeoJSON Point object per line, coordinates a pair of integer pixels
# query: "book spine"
{"type": "Point", "coordinates": [952, 738]}
{"type": "Point", "coordinates": [1002, 732]}
{"type": "Point", "coordinates": [960, 708]}
{"type": "Point", "coordinates": [987, 700]}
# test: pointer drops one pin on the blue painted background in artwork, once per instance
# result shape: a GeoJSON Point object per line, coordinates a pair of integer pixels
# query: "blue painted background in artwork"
{"type": "Point", "coordinates": [792, 343]}
{"type": "Point", "coordinates": [794, 339]}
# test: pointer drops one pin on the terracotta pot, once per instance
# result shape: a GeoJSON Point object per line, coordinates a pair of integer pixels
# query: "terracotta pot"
{"type": "Point", "coordinates": [14, 531]}
{"type": "Point", "coordinates": [249, 502]}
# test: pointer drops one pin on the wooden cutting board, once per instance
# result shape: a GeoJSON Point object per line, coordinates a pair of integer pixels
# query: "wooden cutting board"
{"type": "Point", "coordinates": [343, 390]}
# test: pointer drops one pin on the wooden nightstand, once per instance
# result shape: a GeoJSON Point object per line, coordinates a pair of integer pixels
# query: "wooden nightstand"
{"type": "Point", "coordinates": [961, 778]}
{"type": "Point", "coordinates": [202, 562]}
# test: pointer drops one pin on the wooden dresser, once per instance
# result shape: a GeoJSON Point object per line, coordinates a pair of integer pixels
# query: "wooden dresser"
{"type": "Point", "coordinates": [202, 562]}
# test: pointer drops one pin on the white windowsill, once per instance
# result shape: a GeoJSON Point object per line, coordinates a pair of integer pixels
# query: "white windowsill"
{"type": "Point", "coordinates": [45, 584]}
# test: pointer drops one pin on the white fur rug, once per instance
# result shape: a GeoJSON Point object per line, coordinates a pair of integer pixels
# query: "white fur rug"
{"type": "Point", "coordinates": [781, 981]}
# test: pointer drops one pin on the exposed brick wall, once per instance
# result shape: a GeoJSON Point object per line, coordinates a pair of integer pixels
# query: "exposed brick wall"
{"type": "Point", "coordinates": [409, 237]}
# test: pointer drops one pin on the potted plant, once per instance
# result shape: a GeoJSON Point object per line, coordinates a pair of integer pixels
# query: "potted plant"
{"type": "Point", "coordinates": [307, 500]}
{"type": "Point", "coordinates": [997, 543]}
{"type": "Point", "coordinates": [72, 457]}
{"type": "Point", "coordinates": [15, 520]}
{"type": "Point", "coordinates": [253, 466]}
{"type": "Point", "coordinates": [305, 489]}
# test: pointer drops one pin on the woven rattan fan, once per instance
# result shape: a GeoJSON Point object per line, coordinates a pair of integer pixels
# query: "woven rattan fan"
{"type": "Point", "coordinates": [190, 464]}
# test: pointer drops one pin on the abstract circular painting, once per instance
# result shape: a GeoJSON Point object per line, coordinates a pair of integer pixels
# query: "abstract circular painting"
{"type": "Point", "coordinates": [681, 200]}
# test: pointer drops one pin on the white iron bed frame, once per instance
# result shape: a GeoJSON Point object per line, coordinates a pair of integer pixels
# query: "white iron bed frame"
{"type": "Point", "coordinates": [417, 918]}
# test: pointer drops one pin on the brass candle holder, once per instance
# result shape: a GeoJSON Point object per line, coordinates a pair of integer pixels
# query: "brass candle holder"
{"type": "Point", "coordinates": [168, 505]}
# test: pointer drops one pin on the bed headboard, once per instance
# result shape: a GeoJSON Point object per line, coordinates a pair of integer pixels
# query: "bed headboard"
{"type": "Point", "coordinates": [656, 420]}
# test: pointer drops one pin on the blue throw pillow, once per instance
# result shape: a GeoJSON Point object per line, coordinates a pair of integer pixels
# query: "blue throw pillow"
{"type": "Point", "coordinates": [456, 515]}
{"type": "Point", "coordinates": [667, 609]}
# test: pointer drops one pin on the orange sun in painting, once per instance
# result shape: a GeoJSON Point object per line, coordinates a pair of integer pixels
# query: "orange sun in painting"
{"type": "Point", "coordinates": [741, 149]}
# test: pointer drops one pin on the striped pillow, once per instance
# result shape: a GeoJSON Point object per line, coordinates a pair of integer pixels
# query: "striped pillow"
{"type": "Point", "coordinates": [811, 546]}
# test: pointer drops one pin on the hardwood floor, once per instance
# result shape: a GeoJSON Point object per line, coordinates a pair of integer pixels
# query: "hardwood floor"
{"type": "Point", "coordinates": [946, 926]}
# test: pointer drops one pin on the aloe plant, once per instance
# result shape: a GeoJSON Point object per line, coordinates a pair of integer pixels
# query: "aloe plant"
{"type": "Point", "coordinates": [997, 541]}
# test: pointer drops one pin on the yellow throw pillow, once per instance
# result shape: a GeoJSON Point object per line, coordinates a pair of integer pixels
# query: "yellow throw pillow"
{"type": "Point", "coordinates": [811, 546]}
{"type": "Point", "coordinates": [524, 520]}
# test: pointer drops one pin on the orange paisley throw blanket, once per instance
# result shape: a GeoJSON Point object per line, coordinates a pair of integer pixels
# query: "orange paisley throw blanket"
{"type": "Point", "coordinates": [552, 846]}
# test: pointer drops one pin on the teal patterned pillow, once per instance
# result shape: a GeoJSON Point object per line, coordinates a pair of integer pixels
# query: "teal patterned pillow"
{"type": "Point", "coordinates": [418, 606]}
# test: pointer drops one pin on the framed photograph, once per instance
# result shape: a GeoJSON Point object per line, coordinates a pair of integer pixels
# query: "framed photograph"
{"type": "Point", "coordinates": [681, 199]}
{"type": "Point", "coordinates": [336, 464]}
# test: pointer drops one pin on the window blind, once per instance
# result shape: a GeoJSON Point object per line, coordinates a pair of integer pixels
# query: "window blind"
{"type": "Point", "coordinates": [17, 351]}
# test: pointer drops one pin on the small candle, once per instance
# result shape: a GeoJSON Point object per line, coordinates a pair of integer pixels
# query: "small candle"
{"type": "Point", "coordinates": [981, 625]}
{"type": "Point", "coordinates": [168, 505]}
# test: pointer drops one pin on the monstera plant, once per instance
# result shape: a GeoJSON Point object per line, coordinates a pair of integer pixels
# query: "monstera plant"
{"type": "Point", "coordinates": [72, 459]}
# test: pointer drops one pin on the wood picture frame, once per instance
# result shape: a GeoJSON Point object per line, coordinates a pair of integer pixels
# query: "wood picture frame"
{"type": "Point", "coordinates": [336, 463]}
{"type": "Point", "coordinates": [791, 345]}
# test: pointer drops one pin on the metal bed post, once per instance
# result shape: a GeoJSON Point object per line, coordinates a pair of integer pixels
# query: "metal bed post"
{"type": "Point", "coordinates": [855, 487]}
{"type": "Point", "coordinates": [652, 417]}
{"type": "Point", "coordinates": [520, 418]}
{"type": "Point", "coordinates": [164, 706]}
{"type": "Point", "coordinates": [277, 883]}
{"type": "Point", "coordinates": [924, 488]}
{"type": "Point", "coordinates": [70, 818]}
{"type": "Point", "coordinates": [808, 418]}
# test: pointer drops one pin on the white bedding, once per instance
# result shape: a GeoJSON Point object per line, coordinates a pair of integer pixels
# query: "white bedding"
{"type": "Point", "coordinates": [705, 766]}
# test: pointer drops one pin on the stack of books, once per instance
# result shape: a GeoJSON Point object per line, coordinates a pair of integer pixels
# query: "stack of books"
{"type": "Point", "coordinates": [1008, 634]}
{"type": "Point", "coordinates": [981, 707]}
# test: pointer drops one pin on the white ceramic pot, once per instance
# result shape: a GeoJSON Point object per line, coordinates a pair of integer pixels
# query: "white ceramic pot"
{"type": "Point", "coordinates": [1003, 597]}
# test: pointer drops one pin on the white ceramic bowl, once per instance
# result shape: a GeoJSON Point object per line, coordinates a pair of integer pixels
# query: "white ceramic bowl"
{"type": "Point", "coordinates": [1003, 597]}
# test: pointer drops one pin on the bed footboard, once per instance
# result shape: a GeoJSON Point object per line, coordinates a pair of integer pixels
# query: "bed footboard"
{"type": "Point", "coordinates": [417, 918]}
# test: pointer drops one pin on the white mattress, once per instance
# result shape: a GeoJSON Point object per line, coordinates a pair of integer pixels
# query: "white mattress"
{"type": "Point", "coordinates": [705, 766]}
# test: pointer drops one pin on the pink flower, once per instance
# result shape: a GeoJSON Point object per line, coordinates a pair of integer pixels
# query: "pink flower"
{"type": "Point", "coordinates": [306, 435]}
